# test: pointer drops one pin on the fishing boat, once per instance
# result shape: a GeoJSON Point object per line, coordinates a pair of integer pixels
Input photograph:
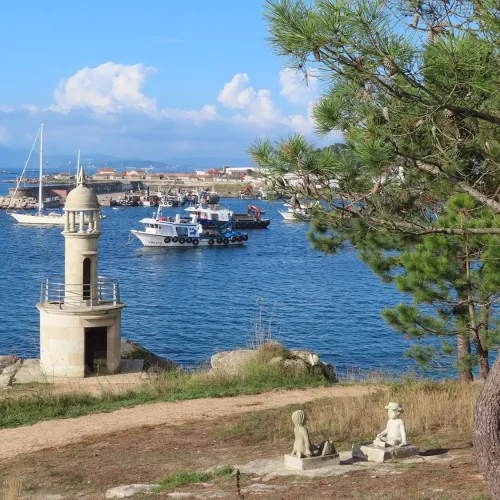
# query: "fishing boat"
{"type": "Point", "coordinates": [180, 232]}
{"type": "Point", "coordinates": [211, 215]}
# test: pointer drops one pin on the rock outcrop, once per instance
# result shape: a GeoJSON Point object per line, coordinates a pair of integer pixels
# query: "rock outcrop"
{"type": "Point", "coordinates": [152, 362]}
{"type": "Point", "coordinates": [129, 490]}
{"type": "Point", "coordinates": [231, 362]}
{"type": "Point", "coordinates": [9, 366]}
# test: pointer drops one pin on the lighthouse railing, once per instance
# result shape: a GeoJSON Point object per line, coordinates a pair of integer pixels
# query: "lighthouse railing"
{"type": "Point", "coordinates": [55, 291]}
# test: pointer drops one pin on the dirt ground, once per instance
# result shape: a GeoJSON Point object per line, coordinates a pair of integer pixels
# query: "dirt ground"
{"type": "Point", "coordinates": [142, 455]}
{"type": "Point", "coordinates": [142, 449]}
{"type": "Point", "coordinates": [62, 432]}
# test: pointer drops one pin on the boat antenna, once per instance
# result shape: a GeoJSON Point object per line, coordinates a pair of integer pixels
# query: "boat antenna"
{"type": "Point", "coordinates": [40, 188]}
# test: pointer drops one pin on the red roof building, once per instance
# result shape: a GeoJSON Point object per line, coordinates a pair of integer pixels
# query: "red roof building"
{"type": "Point", "coordinates": [214, 171]}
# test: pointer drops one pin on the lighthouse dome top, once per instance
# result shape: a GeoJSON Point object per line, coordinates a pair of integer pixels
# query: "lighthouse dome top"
{"type": "Point", "coordinates": [81, 198]}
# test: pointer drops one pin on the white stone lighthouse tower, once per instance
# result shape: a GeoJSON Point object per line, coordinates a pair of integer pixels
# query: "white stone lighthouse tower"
{"type": "Point", "coordinates": [80, 313]}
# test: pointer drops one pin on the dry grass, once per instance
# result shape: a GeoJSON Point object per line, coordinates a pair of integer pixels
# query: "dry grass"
{"type": "Point", "coordinates": [430, 408]}
{"type": "Point", "coordinates": [11, 489]}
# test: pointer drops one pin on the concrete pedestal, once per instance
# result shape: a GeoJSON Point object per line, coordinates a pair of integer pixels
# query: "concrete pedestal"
{"type": "Point", "coordinates": [293, 462]}
{"type": "Point", "coordinates": [368, 451]}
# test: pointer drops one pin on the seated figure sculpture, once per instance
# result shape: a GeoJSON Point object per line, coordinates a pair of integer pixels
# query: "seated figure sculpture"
{"type": "Point", "coordinates": [302, 446]}
{"type": "Point", "coordinates": [395, 433]}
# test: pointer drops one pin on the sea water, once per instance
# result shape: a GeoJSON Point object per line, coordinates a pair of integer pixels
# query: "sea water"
{"type": "Point", "coordinates": [186, 304]}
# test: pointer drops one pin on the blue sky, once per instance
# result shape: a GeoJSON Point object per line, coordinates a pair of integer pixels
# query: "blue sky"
{"type": "Point", "coordinates": [153, 79]}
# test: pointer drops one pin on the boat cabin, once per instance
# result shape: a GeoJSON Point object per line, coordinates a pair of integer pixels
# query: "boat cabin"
{"type": "Point", "coordinates": [217, 214]}
{"type": "Point", "coordinates": [171, 227]}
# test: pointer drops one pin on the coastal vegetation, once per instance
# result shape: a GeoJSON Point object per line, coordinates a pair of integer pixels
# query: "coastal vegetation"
{"type": "Point", "coordinates": [414, 88]}
{"type": "Point", "coordinates": [420, 160]}
{"type": "Point", "coordinates": [26, 406]}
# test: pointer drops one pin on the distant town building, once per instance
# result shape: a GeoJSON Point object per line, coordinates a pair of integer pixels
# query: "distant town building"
{"type": "Point", "coordinates": [62, 176]}
{"type": "Point", "coordinates": [237, 173]}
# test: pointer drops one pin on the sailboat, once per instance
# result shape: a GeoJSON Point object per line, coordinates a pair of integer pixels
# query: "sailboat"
{"type": "Point", "coordinates": [52, 218]}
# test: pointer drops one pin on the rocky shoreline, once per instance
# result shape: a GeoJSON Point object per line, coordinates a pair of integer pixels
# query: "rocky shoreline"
{"type": "Point", "coordinates": [25, 203]}
{"type": "Point", "coordinates": [229, 363]}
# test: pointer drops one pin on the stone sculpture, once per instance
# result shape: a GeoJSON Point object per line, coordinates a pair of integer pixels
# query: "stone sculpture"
{"type": "Point", "coordinates": [306, 455]}
{"type": "Point", "coordinates": [395, 432]}
{"type": "Point", "coordinates": [302, 446]}
{"type": "Point", "coordinates": [391, 443]}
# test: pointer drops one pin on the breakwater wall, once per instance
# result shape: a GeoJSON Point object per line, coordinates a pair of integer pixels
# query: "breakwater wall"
{"type": "Point", "coordinates": [25, 203]}
{"type": "Point", "coordinates": [62, 190]}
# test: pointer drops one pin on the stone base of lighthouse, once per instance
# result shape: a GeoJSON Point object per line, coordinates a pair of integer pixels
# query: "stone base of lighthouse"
{"type": "Point", "coordinates": [78, 342]}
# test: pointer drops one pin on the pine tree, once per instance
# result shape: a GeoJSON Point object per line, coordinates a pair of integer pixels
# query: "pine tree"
{"type": "Point", "coordinates": [414, 87]}
{"type": "Point", "coordinates": [454, 282]}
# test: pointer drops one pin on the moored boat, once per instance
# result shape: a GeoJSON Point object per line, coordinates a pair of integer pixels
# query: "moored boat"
{"type": "Point", "coordinates": [296, 212]}
{"type": "Point", "coordinates": [213, 214]}
{"type": "Point", "coordinates": [41, 217]}
{"type": "Point", "coordinates": [177, 232]}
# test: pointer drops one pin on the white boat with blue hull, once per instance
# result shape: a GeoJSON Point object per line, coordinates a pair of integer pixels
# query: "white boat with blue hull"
{"type": "Point", "coordinates": [185, 233]}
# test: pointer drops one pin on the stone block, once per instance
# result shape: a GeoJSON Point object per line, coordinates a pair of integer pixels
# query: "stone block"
{"type": "Point", "coordinates": [293, 462]}
{"type": "Point", "coordinates": [368, 451]}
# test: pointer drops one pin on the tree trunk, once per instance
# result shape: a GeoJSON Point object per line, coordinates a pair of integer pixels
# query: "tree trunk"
{"type": "Point", "coordinates": [486, 430]}
{"type": "Point", "coordinates": [484, 365]}
{"type": "Point", "coordinates": [463, 341]}
{"type": "Point", "coordinates": [463, 350]}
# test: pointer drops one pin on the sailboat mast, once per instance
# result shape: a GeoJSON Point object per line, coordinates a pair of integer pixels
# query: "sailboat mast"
{"type": "Point", "coordinates": [40, 198]}
{"type": "Point", "coordinates": [77, 166]}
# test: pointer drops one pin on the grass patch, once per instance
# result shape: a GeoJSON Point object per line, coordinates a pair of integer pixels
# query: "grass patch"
{"type": "Point", "coordinates": [11, 489]}
{"type": "Point", "coordinates": [256, 376]}
{"type": "Point", "coordinates": [183, 478]}
{"type": "Point", "coordinates": [430, 408]}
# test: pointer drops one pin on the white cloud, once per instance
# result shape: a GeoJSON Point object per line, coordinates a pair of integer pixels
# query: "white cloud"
{"type": "Point", "coordinates": [303, 124]}
{"type": "Point", "coordinates": [6, 109]}
{"type": "Point", "coordinates": [234, 94]}
{"type": "Point", "coordinates": [257, 106]}
{"type": "Point", "coordinates": [206, 113]}
{"type": "Point", "coordinates": [108, 88]}
{"type": "Point", "coordinates": [4, 136]}
{"type": "Point", "coordinates": [296, 88]}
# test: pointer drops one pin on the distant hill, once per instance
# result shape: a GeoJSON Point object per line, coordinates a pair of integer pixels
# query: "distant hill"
{"type": "Point", "coordinates": [12, 160]}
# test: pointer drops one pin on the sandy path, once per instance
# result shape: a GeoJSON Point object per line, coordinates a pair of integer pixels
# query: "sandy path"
{"type": "Point", "coordinates": [54, 433]}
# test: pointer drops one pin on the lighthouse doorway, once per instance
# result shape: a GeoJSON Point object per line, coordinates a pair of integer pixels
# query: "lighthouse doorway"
{"type": "Point", "coordinates": [96, 349]}
{"type": "Point", "coordinates": [86, 279]}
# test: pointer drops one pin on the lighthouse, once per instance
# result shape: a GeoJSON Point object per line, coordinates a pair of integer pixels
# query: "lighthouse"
{"type": "Point", "coordinates": [80, 312]}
